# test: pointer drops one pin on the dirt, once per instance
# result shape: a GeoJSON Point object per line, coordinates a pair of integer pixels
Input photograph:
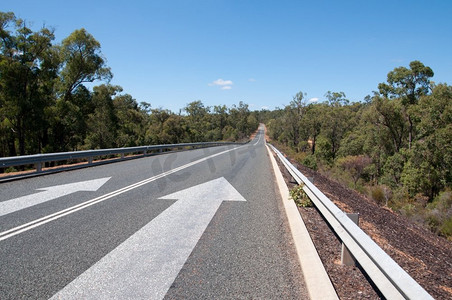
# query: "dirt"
{"type": "Point", "coordinates": [425, 256]}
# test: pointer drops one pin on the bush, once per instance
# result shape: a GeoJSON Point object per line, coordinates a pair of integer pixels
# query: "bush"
{"type": "Point", "coordinates": [300, 197]}
{"type": "Point", "coordinates": [381, 194]}
{"type": "Point", "coordinates": [310, 162]}
{"type": "Point", "coordinates": [446, 229]}
{"type": "Point", "coordinates": [10, 170]}
{"type": "Point", "coordinates": [355, 166]}
{"type": "Point", "coordinates": [378, 195]}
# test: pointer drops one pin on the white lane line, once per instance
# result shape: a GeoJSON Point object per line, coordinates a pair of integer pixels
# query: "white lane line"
{"type": "Point", "coordinates": [258, 140]}
{"type": "Point", "coordinates": [44, 220]}
{"type": "Point", "coordinates": [147, 263]}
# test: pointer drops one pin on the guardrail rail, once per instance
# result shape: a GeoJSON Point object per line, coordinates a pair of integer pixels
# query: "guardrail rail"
{"type": "Point", "coordinates": [39, 159]}
{"type": "Point", "coordinates": [391, 280]}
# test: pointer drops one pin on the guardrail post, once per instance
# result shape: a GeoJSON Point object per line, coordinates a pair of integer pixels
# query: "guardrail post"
{"type": "Point", "coordinates": [122, 155]}
{"type": "Point", "coordinates": [346, 257]}
{"type": "Point", "coordinates": [90, 160]}
{"type": "Point", "coordinates": [38, 167]}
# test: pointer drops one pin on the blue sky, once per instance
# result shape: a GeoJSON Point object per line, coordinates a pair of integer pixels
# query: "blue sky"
{"type": "Point", "coordinates": [170, 53]}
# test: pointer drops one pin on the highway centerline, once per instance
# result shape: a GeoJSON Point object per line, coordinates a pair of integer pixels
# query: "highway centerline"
{"type": "Point", "coordinates": [44, 220]}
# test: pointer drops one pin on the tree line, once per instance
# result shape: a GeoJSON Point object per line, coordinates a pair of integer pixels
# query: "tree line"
{"type": "Point", "coordinates": [45, 105]}
{"type": "Point", "coordinates": [395, 145]}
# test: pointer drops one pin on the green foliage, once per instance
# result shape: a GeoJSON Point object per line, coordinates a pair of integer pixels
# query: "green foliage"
{"type": "Point", "coordinates": [45, 106]}
{"type": "Point", "coordinates": [378, 195]}
{"type": "Point", "coordinates": [439, 214]}
{"type": "Point", "coordinates": [324, 150]}
{"type": "Point", "coordinates": [446, 229]}
{"type": "Point", "coordinates": [10, 170]}
{"type": "Point", "coordinates": [310, 162]}
{"type": "Point", "coordinates": [381, 194]}
{"type": "Point", "coordinates": [299, 196]}
{"type": "Point", "coordinates": [397, 144]}
{"type": "Point", "coordinates": [355, 166]}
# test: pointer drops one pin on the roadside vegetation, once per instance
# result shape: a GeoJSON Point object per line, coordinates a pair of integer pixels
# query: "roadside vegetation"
{"type": "Point", "coordinates": [298, 195]}
{"type": "Point", "coordinates": [395, 146]}
{"type": "Point", "coordinates": [46, 107]}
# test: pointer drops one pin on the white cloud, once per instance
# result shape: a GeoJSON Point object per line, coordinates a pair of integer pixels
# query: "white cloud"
{"type": "Point", "coordinates": [252, 80]}
{"type": "Point", "coordinates": [226, 87]}
{"type": "Point", "coordinates": [221, 82]}
{"type": "Point", "coordinates": [314, 100]}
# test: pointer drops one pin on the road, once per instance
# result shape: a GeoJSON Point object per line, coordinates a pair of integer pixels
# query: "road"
{"type": "Point", "coordinates": [196, 224]}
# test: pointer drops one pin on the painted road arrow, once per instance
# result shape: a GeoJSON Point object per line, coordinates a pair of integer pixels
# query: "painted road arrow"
{"type": "Point", "coordinates": [50, 193]}
{"type": "Point", "coordinates": [147, 263]}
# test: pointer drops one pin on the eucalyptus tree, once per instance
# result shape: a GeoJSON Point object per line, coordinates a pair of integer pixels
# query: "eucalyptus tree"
{"type": "Point", "coordinates": [430, 162]}
{"type": "Point", "coordinates": [198, 120]}
{"type": "Point", "coordinates": [312, 123]}
{"type": "Point", "coordinates": [28, 67]}
{"type": "Point", "coordinates": [103, 122]}
{"type": "Point", "coordinates": [81, 62]}
{"type": "Point", "coordinates": [132, 120]}
{"type": "Point", "coordinates": [336, 118]}
{"type": "Point", "coordinates": [408, 85]}
{"type": "Point", "coordinates": [238, 119]}
{"type": "Point", "coordinates": [296, 110]}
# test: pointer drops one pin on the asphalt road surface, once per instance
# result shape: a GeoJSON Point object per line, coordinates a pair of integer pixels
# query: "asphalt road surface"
{"type": "Point", "coordinates": [197, 224]}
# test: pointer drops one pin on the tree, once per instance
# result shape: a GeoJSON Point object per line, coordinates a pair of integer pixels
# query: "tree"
{"type": "Point", "coordinates": [154, 128]}
{"type": "Point", "coordinates": [408, 85]}
{"type": "Point", "coordinates": [336, 99]}
{"type": "Point", "coordinates": [82, 62]}
{"type": "Point", "coordinates": [431, 154]}
{"type": "Point", "coordinates": [312, 123]}
{"type": "Point", "coordinates": [335, 122]}
{"type": "Point", "coordinates": [103, 122]}
{"type": "Point", "coordinates": [391, 117]}
{"type": "Point", "coordinates": [220, 116]}
{"type": "Point", "coordinates": [27, 70]}
{"type": "Point", "coordinates": [296, 110]}
{"type": "Point", "coordinates": [238, 118]}
{"type": "Point", "coordinates": [197, 120]}
{"type": "Point", "coordinates": [131, 121]}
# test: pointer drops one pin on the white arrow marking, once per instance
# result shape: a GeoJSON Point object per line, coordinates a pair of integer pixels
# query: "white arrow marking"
{"type": "Point", "coordinates": [147, 263]}
{"type": "Point", "coordinates": [50, 193]}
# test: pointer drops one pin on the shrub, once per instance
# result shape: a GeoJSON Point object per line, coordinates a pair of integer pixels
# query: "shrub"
{"type": "Point", "coordinates": [381, 194]}
{"type": "Point", "coordinates": [378, 195]}
{"type": "Point", "coordinates": [446, 229]}
{"type": "Point", "coordinates": [10, 170]}
{"type": "Point", "coordinates": [355, 166]}
{"type": "Point", "coordinates": [300, 197]}
{"type": "Point", "coordinates": [310, 162]}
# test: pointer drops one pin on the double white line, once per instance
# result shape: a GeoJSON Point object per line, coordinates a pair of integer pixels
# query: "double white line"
{"type": "Point", "coordinates": [44, 220]}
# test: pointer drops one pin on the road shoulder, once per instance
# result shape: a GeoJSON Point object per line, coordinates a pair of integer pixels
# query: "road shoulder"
{"type": "Point", "coordinates": [316, 278]}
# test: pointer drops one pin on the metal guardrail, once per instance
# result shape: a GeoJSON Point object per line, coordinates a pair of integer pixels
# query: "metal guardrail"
{"type": "Point", "coordinates": [391, 280]}
{"type": "Point", "coordinates": [39, 159]}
